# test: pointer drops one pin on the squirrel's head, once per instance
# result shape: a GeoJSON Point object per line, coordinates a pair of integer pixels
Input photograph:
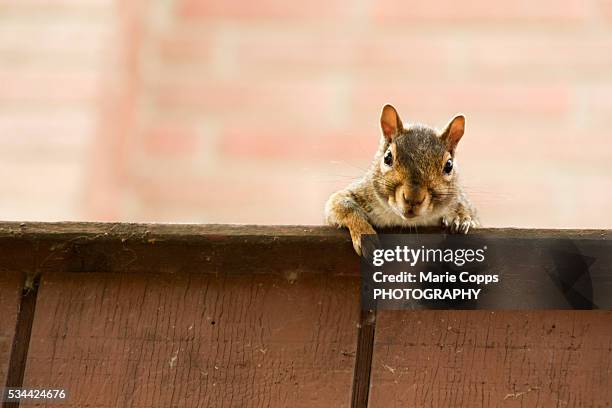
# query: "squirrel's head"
{"type": "Point", "coordinates": [415, 168]}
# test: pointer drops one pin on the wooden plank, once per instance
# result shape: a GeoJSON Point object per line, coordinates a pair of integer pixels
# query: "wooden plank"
{"type": "Point", "coordinates": [125, 317]}
{"type": "Point", "coordinates": [129, 248]}
{"type": "Point", "coordinates": [172, 248]}
{"type": "Point", "coordinates": [223, 232]}
{"type": "Point", "coordinates": [21, 342]}
{"type": "Point", "coordinates": [363, 362]}
{"type": "Point", "coordinates": [11, 284]}
{"type": "Point", "coordinates": [196, 339]}
{"type": "Point", "coordinates": [492, 359]}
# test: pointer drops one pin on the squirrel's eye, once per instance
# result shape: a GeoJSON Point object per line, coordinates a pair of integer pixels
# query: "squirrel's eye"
{"type": "Point", "coordinates": [448, 166]}
{"type": "Point", "coordinates": [388, 159]}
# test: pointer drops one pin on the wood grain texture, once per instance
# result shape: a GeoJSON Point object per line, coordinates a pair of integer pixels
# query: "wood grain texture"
{"type": "Point", "coordinates": [171, 248]}
{"type": "Point", "coordinates": [11, 284]}
{"type": "Point", "coordinates": [138, 315]}
{"type": "Point", "coordinates": [492, 359]}
{"type": "Point", "coordinates": [363, 362]}
{"type": "Point", "coordinates": [165, 248]}
{"type": "Point", "coordinates": [187, 340]}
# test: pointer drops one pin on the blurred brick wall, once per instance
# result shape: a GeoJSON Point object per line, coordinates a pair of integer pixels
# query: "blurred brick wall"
{"type": "Point", "coordinates": [52, 55]}
{"type": "Point", "coordinates": [236, 111]}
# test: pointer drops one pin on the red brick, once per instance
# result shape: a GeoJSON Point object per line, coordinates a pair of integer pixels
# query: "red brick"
{"type": "Point", "coordinates": [605, 6]}
{"type": "Point", "coordinates": [294, 53]}
{"type": "Point", "coordinates": [416, 99]}
{"type": "Point", "coordinates": [553, 143]}
{"type": "Point", "coordinates": [51, 43]}
{"type": "Point", "coordinates": [58, 134]}
{"type": "Point", "coordinates": [534, 195]}
{"type": "Point", "coordinates": [319, 53]}
{"type": "Point", "coordinates": [71, 3]}
{"type": "Point", "coordinates": [240, 194]}
{"type": "Point", "coordinates": [169, 140]}
{"type": "Point", "coordinates": [432, 56]}
{"type": "Point", "coordinates": [311, 145]}
{"type": "Point", "coordinates": [54, 4]}
{"type": "Point", "coordinates": [482, 10]}
{"type": "Point", "coordinates": [267, 9]}
{"type": "Point", "coordinates": [584, 211]}
{"type": "Point", "coordinates": [540, 58]}
{"type": "Point", "coordinates": [270, 101]}
{"type": "Point", "coordinates": [44, 87]}
{"type": "Point", "coordinates": [292, 88]}
{"type": "Point", "coordinates": [188, 46]}
{"type": "Point", "coordinates": [535, 57]}
{"type": "Point", "coordinates": [406, 55]}
{"type": "Point", "coordinates": [597, 97]}
{"type": "Point", "coordinates": [45, 189]}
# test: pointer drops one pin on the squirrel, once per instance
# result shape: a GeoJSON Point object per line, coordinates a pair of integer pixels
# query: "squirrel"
{"type": "Point", "coordinates": [413, 181]}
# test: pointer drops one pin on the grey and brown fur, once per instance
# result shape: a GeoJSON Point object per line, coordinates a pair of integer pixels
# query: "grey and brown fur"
{"type": "Point", "coordinates": [414, 191]}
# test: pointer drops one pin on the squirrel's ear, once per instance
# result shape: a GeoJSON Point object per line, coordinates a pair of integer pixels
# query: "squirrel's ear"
{"type": "Point", "coordinates": [454, 131]}
{"type": "Point", "coordinates": [390, 122]}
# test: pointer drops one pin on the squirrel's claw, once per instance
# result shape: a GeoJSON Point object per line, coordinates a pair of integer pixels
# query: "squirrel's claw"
{"type": "Point", "coordinates": [444, 222]}
{"type": "Point", "coordinates": [459, 225]}
{"type": "Point", "coordinates": [465, 226]}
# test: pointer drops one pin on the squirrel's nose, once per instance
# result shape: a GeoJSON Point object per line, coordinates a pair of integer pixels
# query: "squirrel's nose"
{"type": "Point", "coordinates": [414, 198]}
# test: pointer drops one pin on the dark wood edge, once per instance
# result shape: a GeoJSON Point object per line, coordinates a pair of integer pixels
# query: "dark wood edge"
{"type": "Point", "coordinates": [363, 359]}
{"type": "Point", "coordinates": [35, 248]}
{"type": "Point", "coordinates": [198, 232]}
{"type": "Point", "coordinates": [21, 340]}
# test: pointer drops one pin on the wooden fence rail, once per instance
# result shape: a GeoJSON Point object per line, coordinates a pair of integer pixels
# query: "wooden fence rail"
{"type": "Point", "coordinates": [133, 315]}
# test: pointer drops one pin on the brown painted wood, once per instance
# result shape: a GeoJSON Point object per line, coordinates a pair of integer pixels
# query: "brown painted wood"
{"type": "Point", "coordinates": [492, 359]}
{"type": "Point", "coordinates": [217, 315]}
{"type": "Point", "coordinates": [21, 341]}
{"type": "Point", "coordinates": [129, 248]}
{"type": "Point", "coordinates": [193, 339]}
{"type": "Point", "coordinates": [11, 284]}
{"type": "Point", "coordinates": [172, 248]}
{"type": "Point", "coordinates": [363, 362]}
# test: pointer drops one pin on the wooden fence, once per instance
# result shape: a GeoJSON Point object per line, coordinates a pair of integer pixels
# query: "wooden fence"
{"type": "Point", "coordinates": [132, 315]}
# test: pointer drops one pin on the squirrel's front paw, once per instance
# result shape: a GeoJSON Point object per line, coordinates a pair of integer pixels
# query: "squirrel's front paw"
{"type": "Point", "coordinates": [459, 224]}
{"type": "Point", "coordinates": [356, 232]}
